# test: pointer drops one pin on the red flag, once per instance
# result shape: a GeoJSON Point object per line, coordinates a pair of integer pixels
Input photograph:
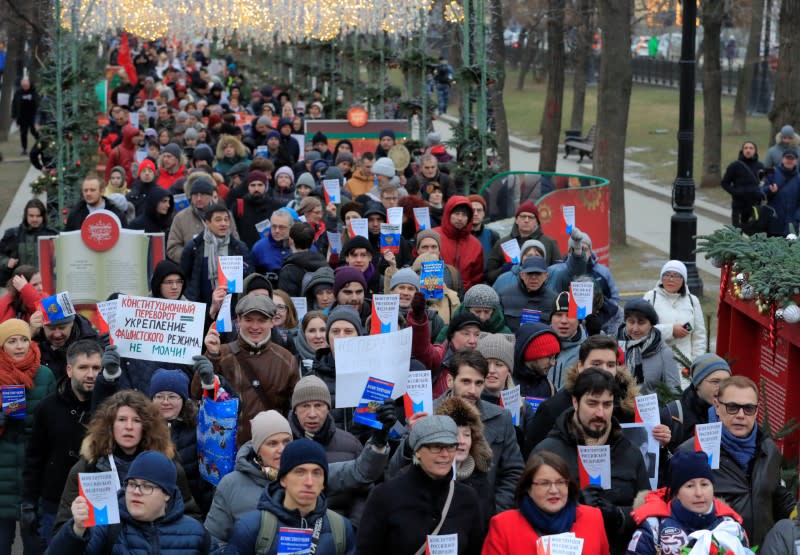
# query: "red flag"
{"type": "Point", "coordinates": [126, 60]}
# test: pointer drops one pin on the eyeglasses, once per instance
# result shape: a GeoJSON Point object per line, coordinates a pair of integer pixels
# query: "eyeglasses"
{"type": "Point", "coordinates": [526, 217]}
{"type": "Point", "coordinates": [545, 485]}
{"type": "Point", "coordinates": [281, 307]}
{"type": "Point", "coordinates": [734, 408]}
{"type": "Point", "coordinates": [437, 448]}
{"type": "Point", "coordinates": [670, 275]}
{"type": "Point", "coordinates": [144, 488]}
{"type": "Point", "coordinates": [172, 282]}
{"type": "Point", "coordinates": [166, 398]}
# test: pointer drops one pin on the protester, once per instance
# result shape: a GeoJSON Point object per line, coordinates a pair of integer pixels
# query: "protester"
{"type": "Point", "coordinates": [742, 182]}
{"type": "Point", "coordinates": [482, 301]}
{"type": "Point", "coordinates": [528, 296]}
{"type": "Point", "coordinates": [571, 335]}
{"type": "Point", "coordinates": [498, 350]}
{"type": "Point", "coordinates": [20, 245]}
{"type": "Point", "coordinates": [24, 294]}
{"type": "Point", "coordinates": [311, 338]}
{"type": "Point", "coordinates": [458, 246]}
{"type": "Point", "coordinates": [319, 290]}
{"type": "Point", "coordinates": [284, 323]}
{"type": "Point", "coordinates": [92, 199]}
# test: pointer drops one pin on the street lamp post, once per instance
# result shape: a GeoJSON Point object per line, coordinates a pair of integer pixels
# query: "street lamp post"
{"type": "Point", "coordinates": [683, 225]}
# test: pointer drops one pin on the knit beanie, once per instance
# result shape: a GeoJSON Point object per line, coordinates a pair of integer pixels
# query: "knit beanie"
{"type": "Point", "coordinates": [203, 152]}
{"type": "Point", "coordinates": [404, 275]}
{"type": "Point", "coordinates": [321, 277]}
{"type": "Point", "coordinates": [146, 163]}
{"type": "Point", "coordinates": [12, 327]}
{"type": "Point", "coordinates": [264, 120]}
{"type": "Point", "coordinates": [685, 466]}
{"type": "Point", "coordinates": [344, 157]}
{"type": "Point", "coordinates": [561, 302]}
{"type": "Point", "coordinates": [191, 134]}
{"type": "Point", "coordinates": [386, 133]}
{"type": "Point", "coordinates": [460, 321]}
{"type": "Point", "coordinates": [675, 266]}
{"type": "Point", "coordinates": [174, 381]}
{"type": "Point", "coordinates": [529, 207]}
{"type": "Point", "coordinates": [479, 199]}
{"type": "Point", "coordinates": [173, 149]}
{"type": "Point", "coordinates": [334, 173]}
{"type": "Point", "coordinates": [642, 307]}
{"type": "Point", "coordinates": [313, 156]}
{"type": "Point", "coordinates": [156, 468]}
{"type": "Point", "coordinates": [375, 208]}
{"type": "Point", "coordinates": [543, 345]}
{"type": "Point", "coordinates": [310, 388]}
{"type": "Point", "coordinates": [273, 135]}
{"type": "Point", "coordinates": [384, 167]}
{"type": "Point", "coordinates": [306, 179]}
{"type": "Point", "coordinates": [285, 170]}
{"type": "Point", "coordinates": [346, 313]}
{"type": "Point", "coordinates": [346, 274]}
{"type": "Point", "coordinates": [531, 243]}
{"type": "Point", "coordinates": [302, 451]}
{"type": "Point", "coordinates": [357, 242]}
{"type": "Point", "coordinates": [499, 346]}
{"type": "Point", "coordinates": [705, 365]}
{"type": "Point", "coordinates": [256, 281]}
{"type": "Point", "coordinates": [429, 233]}
{"type": "Point", "coordinates": [265, 425]}
{"type": "Point", "coordinates": [202, 185]}
{"type": "Point", "coordinates": [481, 296]}
{"type": "Point", "coordinates": [256, 176]}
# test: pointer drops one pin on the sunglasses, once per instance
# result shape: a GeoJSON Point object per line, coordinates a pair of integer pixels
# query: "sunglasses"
{"type": "Point", "coordinates": [734, 408]}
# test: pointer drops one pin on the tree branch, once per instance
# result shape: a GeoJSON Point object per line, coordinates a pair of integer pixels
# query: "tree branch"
{"type": "Point", "coordinates": [22, 16]}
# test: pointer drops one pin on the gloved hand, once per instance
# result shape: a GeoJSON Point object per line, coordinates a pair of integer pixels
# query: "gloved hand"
{"type": "Point", "coordinates": [575, 241]}
{"type": "Point", "coordinates": [506, 267]}
{"type": "Point", "coordinates": [111, 364]}
{"type": "Point", "coordinates": [205, 369]}
{"type": "Point", "coordinates": [613, 517]}
{"type": "Point", "coordinates": [386, 415]}
{"type": "Point", "coordinates": [29, 518]}
{"type": "Point", "coordinates": [418, 307]}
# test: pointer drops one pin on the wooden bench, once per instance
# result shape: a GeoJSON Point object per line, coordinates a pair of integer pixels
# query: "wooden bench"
{"type": "Point", "coordinates": [583, 146]}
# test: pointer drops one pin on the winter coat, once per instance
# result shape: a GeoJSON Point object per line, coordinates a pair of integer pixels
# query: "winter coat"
{"type": "Point", "coordinates": [248, 211]}
{"type": "Point", "coordinates": [403, 510]}
{"type": "Point", "coordinates": [14, 442]}
{"type": "Point", "coordinates": [24, 106]}
{"type": "Point", "coordinates": [742, 183]}
{"type": "Point", "coordinates": [171, 534]}
{"type": "Point", "coordinates": [693, 410]}
{"type": "Point", "coordinates": [785, 201]}
{"type": "Point", "coordinates": [775, 152]}
{"type": "Point", "coordinates": [268, 254]}
{"type": "Point", "coordinates": [510, 533]}
{"type": "Point", "coordinates": [663, 530]}
{"type": "Point", "coordinates": [567, 358]}
{"type": "Point", "coordinates": [658, 364]}
{"type": "Point", "coordinates": [418, 182]}
{"type": "Point", "coordinates": [58, 429]}
{"type": "Point", "coordinates": [487, 237]}
{"type": "Point", "coordinates": [149, 219]}
{"type": "Point", "coordinates": [359, 184]}
{"type": "Point", "coordinates": [458, 247]}
{"type": "Point", "coordinates": [291, 147]}
{"type": "Point", "coordinates": [165, 180]}
{"type": "Point", "coordinates": [324, 367]}
{"type": "Point", "coordinates": [185, 226]}
{"type": "Point", "coordinates": [497, 259]}
{"type": "Point", "coordinates": [628, 472]}
{"type": "Point", "coordinates": [30, 298]}
{"type": "Point", "coordinates": [674, 308]}
{"type": "Point", "coordinates": [123, 155]}
{"type": "Point", "coordinates": [81, 211]}
{"type": "Point", "coordinates": [195, 267]}
{"type": "Point", "coordinates": [56, 358]}
{"type": "Point", "coordinates": [138, 192]}
{"type": "Point", "coordinates": [560, 275]}
{"type": "Point", "coordinates": [432, 355]}
{"type": "Point", "coordinates": [783, 538]}
{"type": "Point", "coordinates": [295, 267]}
{"type": "Point", "coordinates": [515, 297]}
{"type": "Point", "coordinates": [246, 529]}
{"type": "Point", "coordinates": [532, 383]}
{"type": "Point", "coordinates": [495, 324]}
{"type": "Point", "coordinates": [22, 243]}
{"type": "Point", "coordinates": [757, 494]}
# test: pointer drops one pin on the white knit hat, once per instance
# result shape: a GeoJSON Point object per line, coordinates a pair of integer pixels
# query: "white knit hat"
{"type": "Point", "coordinates": [675, 266]}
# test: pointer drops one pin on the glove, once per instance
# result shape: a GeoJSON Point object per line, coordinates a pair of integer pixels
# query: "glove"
{"type": "Point", "coordinates": [418, 306]}
{"type": "Point", "coordinates": [205, 369]}
{"type": "Point", "coordinates": [29, 518]}
{"type": "Point", "coordinates": [506, 267]}
{"type": "Point", "coordinates": [575, 239]}
{"type": "Point", "coordinates": [386, 415]}
{"type": "Point", "coordinates": [111, 364]}
{"type": "Point", "coordinates": [613, 518]}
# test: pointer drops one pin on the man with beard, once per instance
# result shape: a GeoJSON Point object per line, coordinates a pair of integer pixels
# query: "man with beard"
{"type": "Point", "coordinates": [253, 208]}
{"type": "Point", "coordinates": [590, 421]}
{"type": "Point", "coordinates": [58, 429]}
{"type": "Point", "coordinates": [92, 199]}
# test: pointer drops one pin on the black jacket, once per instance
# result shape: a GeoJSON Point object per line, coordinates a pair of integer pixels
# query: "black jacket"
{"type": "Point", "coordinates": [139, 190]}
{"type": "Point", "coordinates": [742, 183]}
{"type": "Point", "coordinates": [56, 358]}
{"type": "Point", "coordinates": [58, 429]}
{"type": "Point", "coordinates": [24, 106]}
{"type": "Point", "coordinates": [295, 267]}
{"type": "Point", "coordinates": [401, 512]}
{"type": "Point", "coordinates": [324, 368]}
{"type": "Point", "coordinates": [149, 219]}
{"type": "Point", "coordinates": [694, 411]}
{"type": "Point", "coordinates": [248, 212]}
{"type": "Point", "coordinates": [22, 243]}
{"type": "Point", "coordinates": [531, 382]}
{"type": "Point", "coordinates": [81, 211]}
{"type": "Point", "coordinates": [195, 267]}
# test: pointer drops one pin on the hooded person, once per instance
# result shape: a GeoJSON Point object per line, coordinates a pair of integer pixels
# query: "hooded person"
{"type": "Point", "coordinates": [282, 190]}
{"type": "Point", "coordinates": [318, 290]}
{"type": "Point", "coordinates": [743, 183]}
{"type": "Point", "coordinates": [123, 155]}
{"type": "Point", "coordinates": [22, 242]}
{"type": "Point", "coordinates": [144, 184]}
{"type": "Point", "coordinates": [159, 208]}
{"type": "Point", "coordinates": [535, 351]}
{"type": "Point", "coordinates": [117, 182]}
{"type": "Point", "coordinates": [786, 138]}
{"type": "Point", "coordinates": [458, 247]}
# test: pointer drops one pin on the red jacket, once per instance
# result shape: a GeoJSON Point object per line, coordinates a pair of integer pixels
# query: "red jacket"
{"type": "Point", "coordinates": [30, 296]}
{"type": "Point", "coordinates": [511, 534]}
{"type": "Point", "coordinates": [459, 247]}
{"type": "Point", "coordinates": [165, 180]}
{"type": "Point", "coordinates": [124, 154]}
{"type": "Point", "coordinates": [431, 355]}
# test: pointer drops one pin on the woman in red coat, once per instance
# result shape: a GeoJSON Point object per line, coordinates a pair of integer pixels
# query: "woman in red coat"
{"type": "Point", "coordinates": [24, 291]}
{"type": "Point", "coordinates": [547, 501]}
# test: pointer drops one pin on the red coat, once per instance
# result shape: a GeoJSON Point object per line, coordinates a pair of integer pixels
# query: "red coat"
{"type": "Point", "coordinates": [30, 296]}
{"type": "Point", "coordinates": [510, 534]}
{"type": "Point", "coordinates": [459, 247]}
{"type": "Point", "coordinates": [165, 180]}
{"type": "Point", "coordinates": [124, 154]}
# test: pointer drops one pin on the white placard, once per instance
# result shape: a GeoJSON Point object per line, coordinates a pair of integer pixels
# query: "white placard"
{"type": "Point", "coordinates": [559, 544]}
{"type": "Point", "coordinates": [511, 251]}
{"type": "Point", "coordinates": [230, 273]}
{"type": "Point", "coordinates": [385, 313]}
{"type": "Point", "coordinates": [359, 226]}
{"type": "Point", "coordinates": [594, 466]}
{"type": "Point", "coordinates": [423, 217]}
{"type": "Point", "coordinates": [512, 402]}
{"type": "Point", "coordinates": [642, 438]}
{"type": "Point", "coordinates": [100, 491]}
{"type": "Point", "coordinates": [446, 544]}
{"type": "Point", "coordinates": [263, 228]}
{"type": "Point", "coordinates": [394, 215]}
{"type": "Point", "coordinates": [133, 119]}
{"type": "Point", "coordinates": [569, 217]}
{"type": "Point", "coordinates": [419, 393]}
{"type": "Point", "coordinates": [334, 242]}
{"type": "Point", "coordinates": [108, 312]}
{"type": "Point", "coordinates": [224, 321]}
{"type": "Point", "coordinates": [300, 305]}
{"type": "Point", "coordinates": [332, 190]}
{"type": "Point", "coordinates": [123, 99]}
{"type": "Point", "coordinates": [582, 297]}
{"type": "Point", "coordinates": [707, 438]}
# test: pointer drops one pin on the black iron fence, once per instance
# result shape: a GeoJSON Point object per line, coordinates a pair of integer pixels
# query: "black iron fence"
{"type": "Point", "coordinates": [666, 73]}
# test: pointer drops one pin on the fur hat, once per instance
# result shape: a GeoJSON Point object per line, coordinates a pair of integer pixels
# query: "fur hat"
{"type": "Point", "coordinates": [465, 413]}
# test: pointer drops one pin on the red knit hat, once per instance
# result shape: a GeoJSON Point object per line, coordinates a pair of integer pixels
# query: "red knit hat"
{"type": "Point", "coordinates": [478, 198]}
{"type": "Point", "coordinates": [541, 346]}
{"type": "Point", "coordinates": [529, 207]}
{"type": "Point", "coordinates": [146, 163]}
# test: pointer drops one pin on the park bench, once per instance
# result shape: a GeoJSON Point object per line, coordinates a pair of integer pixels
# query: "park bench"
{"type": "Point", "coordinates": [583, 146]}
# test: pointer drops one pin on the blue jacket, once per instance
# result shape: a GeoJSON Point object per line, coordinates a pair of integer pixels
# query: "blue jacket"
{"type": "Point", "coordinates": [488, 238]}
{"type": "Point", "coordinates": [268, 254]}
{"type": "Point", "coordinates": [172, 534]}
{"type": "Point", "coordinates": [561, 274]}
{"type": "Point", "coordinates": [515, 297]}
{"type": "Point", "coordinates": [195, 267]}
{"type": "Point", "coordinates": [785, 201]}
{"type": "Point", "coordinates": [245, 530]}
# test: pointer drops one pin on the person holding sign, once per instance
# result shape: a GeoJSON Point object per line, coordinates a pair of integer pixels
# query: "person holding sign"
{"type": "Point", "coordinates": [590, 422]}
{"type": "Point", "coordinates": [536, 350]}
{"type": "Point", "coordinates": [405, 283]}
{"type": "Point", "coordinates": [24, 383]}
{"type": "Point", "coordinates": [547, 504]}
{"type": "Point", "coordinates": [687, 505]}
{"type": "Point", "coordinates": [528, 298]}
{"type": "Point", "coordinates": [749, 476]}
{"type": "Point", "coordinates": [256, 205]}
{"type": "Point", "coordinates": [571, 335]}
{"type": "Point", "coordinates": [199, 258]}
{"type": "Point", "coordinates": [151, 517]}
{"type": "Point", "coordinates": [424, 499]}
{"type": "Point", "coordinates": [458, 246]}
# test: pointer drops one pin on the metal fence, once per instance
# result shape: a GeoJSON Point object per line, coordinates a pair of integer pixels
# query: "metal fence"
{"type": "Point", "coordinates": [666, 73]}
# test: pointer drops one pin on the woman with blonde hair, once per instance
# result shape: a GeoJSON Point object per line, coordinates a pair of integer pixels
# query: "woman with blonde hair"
{"type": "Point", "coordinates": [230, 151]}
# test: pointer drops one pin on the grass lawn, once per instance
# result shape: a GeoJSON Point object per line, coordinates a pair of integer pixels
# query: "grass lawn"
{"type": "Point", "coordinates": [652, 126]}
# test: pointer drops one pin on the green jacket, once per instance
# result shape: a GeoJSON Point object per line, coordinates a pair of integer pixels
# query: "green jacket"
{"type": "Point", "coordinates": [14, 441]}
{"type": "Point", "coordinates": [495, 324]}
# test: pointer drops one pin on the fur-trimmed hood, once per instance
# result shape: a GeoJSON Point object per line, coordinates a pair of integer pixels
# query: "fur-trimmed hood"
{"type": "Point", "coordinates": [466, 414]}
{"type": "Point", "coordinates": [624, 380]}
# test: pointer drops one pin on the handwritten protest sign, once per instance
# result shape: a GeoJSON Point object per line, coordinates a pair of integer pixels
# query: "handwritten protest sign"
{"type": "Point", "coordinates": [594, 466]}
{"type": "Point", "coordinates": [707, 438]}
{"type": "Point", "coordinates": [100, 491]}
{"type": "Point", "coordinates": [230, 273]}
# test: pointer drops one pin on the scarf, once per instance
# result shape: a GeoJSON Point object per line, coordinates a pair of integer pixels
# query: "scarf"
{"type": "Point", "coordinates": [213, 248]}
{"type": "Point", "coordinates": [580, 436]}
{"type": "Point", "coordinates": [742, 449]}
{"type": "Point", "coordinates": [466, 468]}
{"type": "Point", "coordinates": [548, 523]}
{"type": "Point", "coordinates": [20, 372]}
{"type": "Point", "coordinates": [304, 350]}
{"type": "Point", "coordinates": [634, 349]}
{"type": "Point", "coordinates": [369, 273]}
{"type": "Point", "coordinates": [691, 520]}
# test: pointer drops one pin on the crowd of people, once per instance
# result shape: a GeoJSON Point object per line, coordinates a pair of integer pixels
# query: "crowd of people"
{"type": "Point", "coordinates": [469, 469]}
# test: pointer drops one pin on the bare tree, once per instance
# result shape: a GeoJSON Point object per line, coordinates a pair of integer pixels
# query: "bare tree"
{"type": "Point", "coordinates": [583, 51]}
{"type": "Point", "coordinates": [712, 94]}
{"type": "Point", "coordinates": [613, 104]}
{"type": "Point", "coordinates": [498, 61]}
{"type": "Point", "coordinates": [786, 106]}
{"type": "Point", "coordinates": [553, 104]}
{"type": "Point", "coordinates": [751, 57]}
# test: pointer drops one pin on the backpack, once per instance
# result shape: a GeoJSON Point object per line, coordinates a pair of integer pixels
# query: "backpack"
{"type": "Point", "coordinates": [268, 530]}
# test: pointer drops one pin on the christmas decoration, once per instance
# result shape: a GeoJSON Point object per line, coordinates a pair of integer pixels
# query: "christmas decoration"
{"type": "Point", "coordinates": [791, 314]}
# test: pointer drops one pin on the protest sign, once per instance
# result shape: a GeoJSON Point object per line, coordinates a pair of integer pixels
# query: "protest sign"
{"type": "Point", "coordinates": [107, 311]}
{"type": "Point", "coordinates": [511, 251]}
{"type": "Point", "coordinates": [375, 393]}
{"type": "Point", "coordinates": [559, 544]}
{"type": "Point", "coordinates": [510, 400]}
{"type": "Point", "coordinates": [446, 544]}
{"type": "Point", "coordinates": [262, 151]}
{"type": "Point", "coordinates": [359, 226]}
{"type": "Point", "coordinates": [57, 307]}
{"type": "Point", "coordinates": [394, 215]}
{"type": "Point", "coordinates": [594, 466]}
{"type": "Point", "coordinates": [419, 393]}
{"type": "Point", "coordinates": [224, 321]}
{"type": "Point", "coordinates": [133, 119]}
{"type": "Point", "coordinates": [181, 201]}
{"type": "Point", "coordinates": [159, 329]}
{"type": "Point", "coordinates": [332, 191]}
{"type": "Point", "coordinates": [216, 438]}
{"type": "Point", "coordinates": [569, 218]}
{"type": "Point", "coordinates": [294, 541]}
{"type": "Point", "coordinates": [390, 238]}
{"type": "Point", "coordinates": [334, 242]}
{"type": "Point", "coordinates": [14, 401]}
{"type": "Point", "coordinates": [385, 356]}
{"type": "Point", "coordinates": [300, 306]}
{"type": "Point", "coordinates": [707, 438]}
{"type": "Point", "coordinates": [100, 491]}
{"type": "Point", "coordinates": [581, 296]}
{"type": "Point", "coordinates": [263, 228]}
{"type": "Point", "coordinates": [530, 316]}
{"type": "Point", "coordinates": [230, 273]}
{"type": "Point", "coordinates": [385, 313]}
{"type": "Point", "coordinates": [642, 438]}
{"type": "Point", "coordinates": [431, 279]}
{"type": "Point", "coordinates": [534, 402]}
{"type": "Point", "coordinates": [422, 217]}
